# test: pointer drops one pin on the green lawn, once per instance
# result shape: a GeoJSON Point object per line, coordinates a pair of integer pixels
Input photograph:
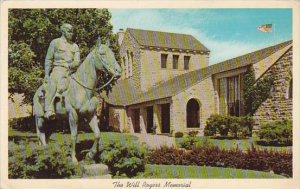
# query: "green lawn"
{"type": "Point", "coordinates": [84, 139]}
{"type": "Point", "coordinates": [243, 144]}
{"type": "Point", "coordinates": [177, 171]}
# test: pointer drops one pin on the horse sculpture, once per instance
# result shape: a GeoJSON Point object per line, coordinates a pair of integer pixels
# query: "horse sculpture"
{"type": "Point", "coordinates": [79, 101]}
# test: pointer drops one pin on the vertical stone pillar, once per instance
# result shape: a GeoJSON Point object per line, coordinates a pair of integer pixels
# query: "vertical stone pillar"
{"type": "Point", "coordinates": [157, 118]}
{"type": "Point", "coordinates": [223, 94]}
{"type": "Point", "coordinates": [172, 129]}
{"type": "Point", "coordinates": [143, 119]}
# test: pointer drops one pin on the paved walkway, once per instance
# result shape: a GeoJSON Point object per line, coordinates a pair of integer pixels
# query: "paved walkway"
{"type": "Point", "coordinates": [155, 141]}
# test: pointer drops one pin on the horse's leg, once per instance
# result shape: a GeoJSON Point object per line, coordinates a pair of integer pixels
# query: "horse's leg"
{"type": "Point", "coordinates": [94, 126]}
{"type": "Point", "coordinates": [73, 122]}
{"type": "Point", "coordinates": [39, 123]}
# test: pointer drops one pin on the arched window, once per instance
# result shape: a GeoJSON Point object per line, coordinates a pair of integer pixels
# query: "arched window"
{"type": "Point", "coordinates": [192, 114]}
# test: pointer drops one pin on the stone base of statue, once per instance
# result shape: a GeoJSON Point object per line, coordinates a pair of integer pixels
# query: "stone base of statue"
{"type": "Point", "coordinates": [95, 171]}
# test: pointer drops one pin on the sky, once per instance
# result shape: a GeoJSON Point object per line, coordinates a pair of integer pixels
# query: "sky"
{"type": "Point", "coordinates": [227, 33]}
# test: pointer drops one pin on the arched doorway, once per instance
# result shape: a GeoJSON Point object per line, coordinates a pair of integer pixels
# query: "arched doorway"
{"type": "Point", "coordinates": [192, 114]}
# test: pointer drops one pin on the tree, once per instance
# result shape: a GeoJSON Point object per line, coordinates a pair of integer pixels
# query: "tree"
{"type": "Point", "coordinates": [31, 31]}
{"type": "Point", "coordinates": [257, 91]}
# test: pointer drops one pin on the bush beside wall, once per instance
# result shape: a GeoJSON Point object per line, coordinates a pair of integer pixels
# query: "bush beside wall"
{"type": "Point", "coordinates": [253, 159]}
{"type": "Point", "coordinates": [277, 133]}
{"type": "Point", "coordinates": [124, 159]}
{"type": "Point", "coordinates": [238, 127]}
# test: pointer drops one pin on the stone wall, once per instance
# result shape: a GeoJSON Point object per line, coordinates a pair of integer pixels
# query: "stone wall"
{"type": "Point", "coordinates": [117, 118]}
{"type": "Point", "coordinates": [202, 92]}
{"type": "Point", "coordinates": [129, 46]}
{"type": "Point", "coordinates": [278, 106]}
{"type": "Point", "coordinates": [152, 73]}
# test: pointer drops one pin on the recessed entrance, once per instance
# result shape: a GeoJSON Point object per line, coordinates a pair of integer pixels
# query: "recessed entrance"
{"type": "Point", "coordinates": [149, 119]}
{"type": "Point", "coordinates": [192, 114]}
{"type": "Point", "coordinates": [165, 118]}
{"type": "Point", "coordinates": [136, 120]}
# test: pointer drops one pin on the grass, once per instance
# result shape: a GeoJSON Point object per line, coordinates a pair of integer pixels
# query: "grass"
{"type": "Point", "coordinates": [178, 171]}
{"type": "Point", "coordinates": [85, 141]}
{"type": "Point", "coordinates": [61, 137]}
{"type": "Point", "coordinates": [64, 137]}
{"type": "Point", "coordinates": [242, 144]}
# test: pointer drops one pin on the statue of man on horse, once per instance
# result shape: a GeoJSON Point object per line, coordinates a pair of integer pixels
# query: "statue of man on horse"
{"type": "Point", "coordinates": [70, 93]}
{"type": "Point", "coordinates": [62, 56]}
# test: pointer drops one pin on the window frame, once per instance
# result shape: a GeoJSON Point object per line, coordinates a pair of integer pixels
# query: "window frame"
{"type": "Point", "coordinates": [186, 62]}
{"type": "Point", "coordinates": [163, 61]}
{"type": "Point", "coordinates": [175, 63]}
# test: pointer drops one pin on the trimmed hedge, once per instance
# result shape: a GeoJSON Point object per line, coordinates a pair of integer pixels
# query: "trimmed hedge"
{"type": "Point", "coordinates": [237, 127]}
{"type": "Point", "coordinates": [277, 133]}
{"type": "Point", "coordinates": [253, 159]}
{"type": "Point", "coordinates": [34, 161]}
{"type": "Point", "coordinates": [23, 123]}
{"type": "Point", "coordinates": [125, 160]}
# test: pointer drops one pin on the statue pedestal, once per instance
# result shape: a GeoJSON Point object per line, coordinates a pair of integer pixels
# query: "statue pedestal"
{"type": "Point", "coordinates": [95, 171]}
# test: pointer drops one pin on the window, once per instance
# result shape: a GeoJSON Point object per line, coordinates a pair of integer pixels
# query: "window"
{"type": "Point", "coordinates": [233, 95]}
{"type": "Point", "coordinates": [175, 61]}
{"type": "Point", "coordinates": [130, 64]}
{"type": "Point", "coordinates": [186, 62]}
{"type": "Point", "coordinates": [164, 60]}
{"type": "Point", "coordinates": [124, 67]}
{"type": "Point", "coordinates": [291, 89]}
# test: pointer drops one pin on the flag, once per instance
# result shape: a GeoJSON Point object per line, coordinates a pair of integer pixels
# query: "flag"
{"type": "Point", "coordinates": [265, 28]}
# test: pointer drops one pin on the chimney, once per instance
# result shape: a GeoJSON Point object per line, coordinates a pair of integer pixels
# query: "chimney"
{"type": "Point", "coordinates": [120, 36]}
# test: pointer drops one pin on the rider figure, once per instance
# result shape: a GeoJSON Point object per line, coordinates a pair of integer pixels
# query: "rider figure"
{"type": "Point", "coordinates": [62, 57]}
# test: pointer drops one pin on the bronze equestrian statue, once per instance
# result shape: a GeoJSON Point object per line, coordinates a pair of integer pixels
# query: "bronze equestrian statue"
{"type": "Point", "coordinates": [74, 95]}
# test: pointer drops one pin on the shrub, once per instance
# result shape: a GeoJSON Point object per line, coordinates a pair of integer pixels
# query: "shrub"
{"type": "Point", "coordinates": [124, 159]}
{"type": "Point", "coordinates": [280, 162]}
{"type": "Point", "coordinates": [23, 123]}
{"type": "Point", "coordinates": [212, 124]}
{"type": "Point", "coordinates": [178, 134]}
{"type": "Point", "coordinates": [243, 132]}
{"type": "Point", "coordinates": [234, 128]}
{"type": "Point", "coordinates": [33, 161]}
{"type": "Point", "coordinates": [248, 122]}
{"type": "Point", "coordinates": [276, 133]}
{"type": "Point", "coordinates": [193, 133]}
{"type": "Point", "coordinates": [189, 142]}
{"type": "Point", "coordinates": [224, 124]}
{"type": "Point", "coordinates": [168, 156]}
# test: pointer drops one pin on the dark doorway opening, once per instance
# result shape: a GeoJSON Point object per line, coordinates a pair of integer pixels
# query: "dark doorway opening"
{"type": "Point", "coordinates": [165, 118]}
{"type": "Point", "coordinates": [136, 120]}
{"type": "Point", "coordinates": [149, 119]}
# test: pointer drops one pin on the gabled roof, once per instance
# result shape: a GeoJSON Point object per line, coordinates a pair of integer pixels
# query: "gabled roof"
{"type": "Point", "coordinates": [166, 40]}
{"type": "Point", "coordinates": [124, 93]}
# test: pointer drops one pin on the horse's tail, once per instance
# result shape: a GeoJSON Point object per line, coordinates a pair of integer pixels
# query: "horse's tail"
{"type": "Point", "coordinates": [38, 102]}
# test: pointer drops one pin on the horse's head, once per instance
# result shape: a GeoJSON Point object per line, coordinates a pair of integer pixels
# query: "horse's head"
{"type": "Point", "coordinates": [108, 60]}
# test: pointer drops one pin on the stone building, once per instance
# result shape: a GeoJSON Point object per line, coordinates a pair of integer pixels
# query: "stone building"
{"type": "Point", "coordinates": [168, 86]}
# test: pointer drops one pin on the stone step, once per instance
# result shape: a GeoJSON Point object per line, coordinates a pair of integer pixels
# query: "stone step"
{"type": "Point", "coordinates": [94, 170]}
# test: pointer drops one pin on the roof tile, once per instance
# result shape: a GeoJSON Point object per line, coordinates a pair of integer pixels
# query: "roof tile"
{"type": "Point", "coordinates": [181, 82]}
